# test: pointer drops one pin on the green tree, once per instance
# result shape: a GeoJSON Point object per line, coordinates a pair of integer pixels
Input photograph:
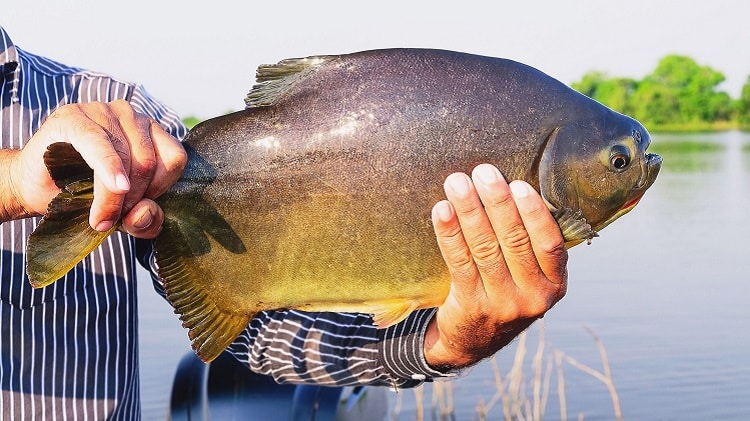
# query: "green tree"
{"type": "Point", "coordinates": [688, 89]}
{"type": "Point", "coordinates": [678, 94]}
{"type": "Point", "coordinates": [616, 93]}
{"type": "Point", "coordinates": [190, 121]}
{"type": "Point", "coordinates": [743, 106]}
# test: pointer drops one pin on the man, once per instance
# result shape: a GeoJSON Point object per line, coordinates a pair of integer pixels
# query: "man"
{"type": "Point", "coordinates": [71, 349]}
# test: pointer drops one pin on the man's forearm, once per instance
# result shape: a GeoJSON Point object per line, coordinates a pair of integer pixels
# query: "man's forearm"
{"type": "Point", "coordinates": [10, 209]}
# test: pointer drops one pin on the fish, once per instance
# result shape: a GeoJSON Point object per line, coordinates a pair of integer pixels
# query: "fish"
{"type": "Point", "coordinates": [317, 196]}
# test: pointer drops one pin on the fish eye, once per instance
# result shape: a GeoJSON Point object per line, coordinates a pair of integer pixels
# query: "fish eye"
{"type": "Point", "coordinates": [619, 157]}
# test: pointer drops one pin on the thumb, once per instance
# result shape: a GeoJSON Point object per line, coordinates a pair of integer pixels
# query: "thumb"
{"type": "Point", "coordinates": [144, 220]}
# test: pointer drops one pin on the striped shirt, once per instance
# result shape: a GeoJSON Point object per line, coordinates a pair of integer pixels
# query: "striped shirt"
{"type": "Point", "coordinates": [70, 350]}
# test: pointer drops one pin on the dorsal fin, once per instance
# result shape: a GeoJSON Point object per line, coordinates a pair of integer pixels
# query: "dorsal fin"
{"type": "Point", "coordinates": [275, 79]}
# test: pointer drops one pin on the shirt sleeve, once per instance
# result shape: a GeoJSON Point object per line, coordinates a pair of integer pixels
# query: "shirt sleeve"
{"type": "Point", "coordinates": [167, 118]}
{"type": "Point", "coordinates": [336, 349]}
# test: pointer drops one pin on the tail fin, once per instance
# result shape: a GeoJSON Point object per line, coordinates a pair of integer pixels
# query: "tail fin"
{"type": "Point", "coordinates": [63, 237]}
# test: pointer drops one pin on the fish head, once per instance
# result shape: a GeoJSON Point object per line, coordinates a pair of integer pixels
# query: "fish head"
{"type": "Point", "coordinates": [597, 171]}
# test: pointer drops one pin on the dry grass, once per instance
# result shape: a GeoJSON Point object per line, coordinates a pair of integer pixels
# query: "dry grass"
{"type": "Point", "coordinates": [512, 389]}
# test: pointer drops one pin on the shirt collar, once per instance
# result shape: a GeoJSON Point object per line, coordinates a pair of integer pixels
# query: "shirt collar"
{"type": "Point", "coordinates": [10, 71]}
{"type": "Point", "coordinates": [8, 52]}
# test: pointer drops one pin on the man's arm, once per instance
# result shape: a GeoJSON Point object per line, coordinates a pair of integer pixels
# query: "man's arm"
{"type": "Point", "coordinates": [133, 158]}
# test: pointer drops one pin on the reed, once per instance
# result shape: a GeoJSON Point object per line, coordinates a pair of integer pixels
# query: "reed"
{"type": "Point", "coordinates": [512, 389]}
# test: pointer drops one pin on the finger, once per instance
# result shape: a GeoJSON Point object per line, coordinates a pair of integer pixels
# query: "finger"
{"type": "Point", "coordinates": [170, 157]}
{"type": "Point", "coordinates": [511, 235]}
{"type": "Point", "coordinates": [97, 137]}
{"type": "Point", "coordinates": [464, 273]}
{"type": "Point", "coordinates": [544, 233]}
{"type": "Point", "coordinates": [144, 220]}
{"type": "Point", "coordinates": [477, 231]}
{"type": "Point", "coordinates": [91, 141]}
{"type": "Point", "coordinates": [142, 160]}
{"type": "Point", "coordinates": [107, 206]}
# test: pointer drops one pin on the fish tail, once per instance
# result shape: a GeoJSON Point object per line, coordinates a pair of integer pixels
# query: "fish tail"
{"type": "Point", "coordinates": [63, 237]}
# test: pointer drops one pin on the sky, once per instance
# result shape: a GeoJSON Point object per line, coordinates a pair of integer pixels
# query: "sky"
{"type": "Point", "coordinates": [200, 56]}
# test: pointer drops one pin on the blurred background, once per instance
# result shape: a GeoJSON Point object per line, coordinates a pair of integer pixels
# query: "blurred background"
{"type": "Point", "coordinates": [663, 289]}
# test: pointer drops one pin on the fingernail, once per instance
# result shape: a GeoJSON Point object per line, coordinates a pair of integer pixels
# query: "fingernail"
{"type": "Point", "coordinates": [487, 174]}
{"type": "Point", "coordinates": [443, 211]}
{"type": "Point", "coordinates": [122, 182]}
{"type": "Point", "coordinates": [459, 183]}
{"type": "Point", "coordinates": [104, 226]}
{"type": "Point", "coordinates": [519, 189]}
{"type": "Point", "coordinates": [144, 219]}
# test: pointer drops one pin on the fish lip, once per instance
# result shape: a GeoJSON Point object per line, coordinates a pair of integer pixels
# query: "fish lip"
{"type": "Point", "coordinates": [649, 170]}
{"type": "Point", "coordinates": [650, 166]}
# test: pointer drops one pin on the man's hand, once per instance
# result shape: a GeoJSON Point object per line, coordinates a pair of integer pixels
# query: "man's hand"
{"type": "Point", "coordinates": [133, 158]}
{"type": "Point", "coordinates": [507, 260]}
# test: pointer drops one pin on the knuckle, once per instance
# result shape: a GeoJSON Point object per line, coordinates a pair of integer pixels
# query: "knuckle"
{"type": "Point", "coordinates": [66, 110]}
{"type": "Point", "coordinates": [97, 111]}
{"type": "Point", "coordinates": [459, 260]}
{"type": "Point", "coordinates": [144, 169]}
{"type": "Point", "coordinates": [128, 115]}
{"type": "Point", "coordinates": [486, 249]}
{"type": "Point", "coordinates": [487, 256]}
{"type": "Point", "coordinates": [122, 107]}
{"type": "Point", "coordinates": [511, 310]}
{"type": "Point", "coordinates": [540, 301]}
{"type": "Point", "coordinates": [528, 306]}
{"type": "Point", "coordinates": [469, 210]}
{"type": "Point", "coordinates": [111, 156]}
{"type": "Point", "coordinates": [555, 249]}
{"type": "Point", "coordinates": [177, 160]}
{"type": "Point", "coordinates": [515, 240]}
{"type": "Point", "coordinates": [538, 307]}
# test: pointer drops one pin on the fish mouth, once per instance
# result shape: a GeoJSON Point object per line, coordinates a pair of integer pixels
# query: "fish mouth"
{"type": "Point", "coordinates": [650, 167]}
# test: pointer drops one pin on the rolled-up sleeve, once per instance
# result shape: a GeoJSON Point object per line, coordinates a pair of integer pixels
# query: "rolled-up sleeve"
{"type": "Point", "coordinates": [337, 349]}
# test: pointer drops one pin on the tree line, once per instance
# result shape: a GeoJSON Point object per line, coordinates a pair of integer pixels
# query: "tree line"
{"type": "Point", "coordinates": [679, 95]}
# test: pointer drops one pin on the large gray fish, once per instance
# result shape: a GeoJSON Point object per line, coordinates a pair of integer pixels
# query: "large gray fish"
{"type": "Point", "coordinates": [318, 195]}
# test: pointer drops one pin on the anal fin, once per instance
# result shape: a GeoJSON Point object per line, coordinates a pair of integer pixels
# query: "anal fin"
{"type": "Point", "coordinates": [390, 312]}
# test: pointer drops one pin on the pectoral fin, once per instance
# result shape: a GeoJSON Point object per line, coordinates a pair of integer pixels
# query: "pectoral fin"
{"type": "Point", "coordinates": [574, 227]}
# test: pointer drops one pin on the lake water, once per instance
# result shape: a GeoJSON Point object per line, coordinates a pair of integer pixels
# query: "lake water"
{"type": "Point", "coordinates": [665, 288]}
